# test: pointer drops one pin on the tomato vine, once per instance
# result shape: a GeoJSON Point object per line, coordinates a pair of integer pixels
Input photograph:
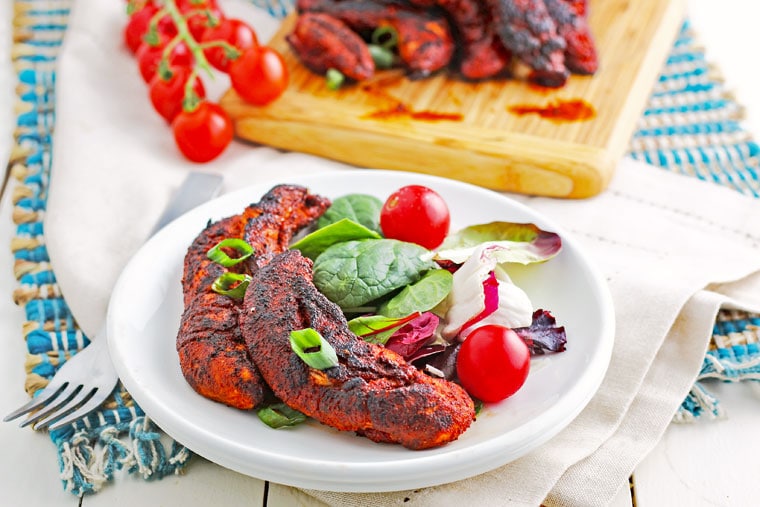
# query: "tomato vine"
{"type": "Point", "coordinates": [178, 43]}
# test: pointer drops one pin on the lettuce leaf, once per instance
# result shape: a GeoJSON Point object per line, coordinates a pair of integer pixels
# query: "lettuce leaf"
{"type": "Point", "coordinates": [521, 243]}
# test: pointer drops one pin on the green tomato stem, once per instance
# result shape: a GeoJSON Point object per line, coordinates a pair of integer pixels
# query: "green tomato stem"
{"type": "Point", "coordinates": [230, 51]}
{"type": "Point", "coordinates": [183, 33]}
{"type": "Point", "coordinates": [151, 36]}
{"type": "Point", "coordinates": [191, 101]}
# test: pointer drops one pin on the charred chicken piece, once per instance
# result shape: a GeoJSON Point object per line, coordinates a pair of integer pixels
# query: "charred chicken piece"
{"type": "Point", "coordinates": [482, 55]}
{"type": "Point", "coordinates": [212, 353]}
{"type": "Point", "coordinates": [213, 356]}
{"type": "Point", "coordinates": [528, 31]}
{"type": "Point", "coordinates": [372, 391]}
{"type": "Point", "coordinates": [323, 42]}
{"type": "Point", "coordinates": [425, 42]}
{"type": "Point", "coordinates": [580, 52]}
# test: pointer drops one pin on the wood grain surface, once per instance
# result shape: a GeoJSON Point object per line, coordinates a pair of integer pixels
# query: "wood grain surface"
{"type": "Point", "coordinates": [487, 143]}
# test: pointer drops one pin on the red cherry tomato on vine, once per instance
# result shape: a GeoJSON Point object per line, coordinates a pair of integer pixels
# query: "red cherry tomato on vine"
{"type": "Point", "coordinates": [232, 31]}
{"type": "Point", "coordinates": [416, 214]}
{"type": "Point", "coordinates": [204, 133]}
{"type": "Point", "coordinates": [137, 26]}
{"type": "Point", "coordinates": [167, 95]}
{"type": "Point", "coordinates": [198, 22]}
{"type": "Point", "coordinates": [493, 363]}
{"type": "Point", "coordinates": [149, 57]}
{"type": "Point", "coordinates": [259, 75]}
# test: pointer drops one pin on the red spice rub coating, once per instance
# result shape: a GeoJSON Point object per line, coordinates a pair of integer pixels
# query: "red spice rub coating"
{"type": "Point", "coordinates": [372, 391]}
{"type": "Point", "coordinates": [572, 25]}
{"type": "Point", "coordinates": [213, 357]}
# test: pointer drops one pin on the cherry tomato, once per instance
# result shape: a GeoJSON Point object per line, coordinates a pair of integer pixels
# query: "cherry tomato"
{"type": "Point", "coordinates": [416, 214]}
{"type": "Point", "coordinates": [198, 22]}
{"type": "Point", "coordinates": [259, 75]}
{"type": "Point", "coordinates": [167, 95]}
{"type": "Point", "coordinates": [202, 134]}
{"type": "Point", "coordinates": [149, 57]}
{"type": "Point", "coordinates": [232, 31]}
{"type": "Point", "coordinates": [493, 363]}
{"type": "Point", "coordinates": [137, 26]}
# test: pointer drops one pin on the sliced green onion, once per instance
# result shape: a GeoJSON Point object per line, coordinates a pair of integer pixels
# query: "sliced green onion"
{"type": "Point", "coordinates": [385, 36]}
{"type": "Point", "coordinates": [280, 415]}
{"type": "Point", "coordinates": [314, 350]}
{"type": "Point", "coordinates": [334, 79]}
{"type": "Point", "coordinates": [382, 56]}
{"type": "Point", "coordinates": [231, 284]}
{"type": "Point", "coordinates": [243, 249]}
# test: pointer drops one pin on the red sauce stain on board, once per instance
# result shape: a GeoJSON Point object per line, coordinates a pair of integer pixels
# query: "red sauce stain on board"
{"type": "Point", "coordinates": [558, 111]}
{"type": "Point", "coordinates": [397, 109]}
{"type": "Point", "coordinates": [402, 110]}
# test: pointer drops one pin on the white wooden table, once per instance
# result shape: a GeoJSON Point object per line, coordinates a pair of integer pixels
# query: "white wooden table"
{"type": "Point", "coordinates": [710, 463]}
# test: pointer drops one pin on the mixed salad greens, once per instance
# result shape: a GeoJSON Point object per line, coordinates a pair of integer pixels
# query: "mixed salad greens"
{"type": "Point", "coordinates": [419, 302]}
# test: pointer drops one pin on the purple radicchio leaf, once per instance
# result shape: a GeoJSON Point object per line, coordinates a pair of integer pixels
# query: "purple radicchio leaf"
{"type": "Point", "coordinates": [543, 335]}
{"type": "Point", "coordinates": [445, 361]}
{"type": "Point", "coordinates": [410, 337]}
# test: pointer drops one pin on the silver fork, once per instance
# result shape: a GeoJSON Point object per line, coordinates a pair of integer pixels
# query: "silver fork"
{"type": "Point", "coordinates": [88, 378]}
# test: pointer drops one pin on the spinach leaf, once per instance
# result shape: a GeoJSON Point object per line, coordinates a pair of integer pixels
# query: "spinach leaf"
{"type": "Point", "coordinates": [315, 243]}
{"type": "Point", "coordinates": [361, 208]}
{"type": "Point", "coordinates": [422, 296]}
{"type": "Point", "coordinates": [353, 273]}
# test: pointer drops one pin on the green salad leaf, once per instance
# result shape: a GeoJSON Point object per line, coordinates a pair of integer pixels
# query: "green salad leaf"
{"type": "Point", "coordinates": [345, 229]}
{"type": "Point", "coordinates": [361, 208]}
{"type": "Point", "coordinates": [422, 296]}
{"type": "Point", "coordinates": [378, 328]}
{"type": "Point", "coordinates": [354, 273]}
{"type": "Point", "coordinates": [522, 243]}
{"type": "Point", "coordinates": [280, 415]}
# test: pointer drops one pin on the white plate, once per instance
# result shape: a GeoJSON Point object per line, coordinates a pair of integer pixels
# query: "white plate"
{"type": "Point", "coordinates": [144, 316]}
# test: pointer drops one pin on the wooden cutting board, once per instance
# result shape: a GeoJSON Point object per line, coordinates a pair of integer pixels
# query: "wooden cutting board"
{"type": "Point", "coordinates": [470, 131]}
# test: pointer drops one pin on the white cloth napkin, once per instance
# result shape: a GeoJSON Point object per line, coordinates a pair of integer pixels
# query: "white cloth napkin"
{"type": "Point", "coordinates": [673, 250]}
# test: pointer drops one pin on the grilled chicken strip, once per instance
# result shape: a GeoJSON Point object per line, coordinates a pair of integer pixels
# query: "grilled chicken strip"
{"type": "Point", "coordinates": [425, 43]}
{"type": "Point", "coordinates": [481, 55]}
{"type": "Point", "coordinates": [323, 42]}
{"type": "Point", "coordinates": [212, 353]}
{"type": "Point", "coordinates": [530, 34]}
{"type": "Point", "coordinates": [372, 391]}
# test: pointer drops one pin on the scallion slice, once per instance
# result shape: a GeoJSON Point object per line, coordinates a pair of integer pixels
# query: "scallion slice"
{"type": "Point", "coordinates": [280, 415]}
{"type": "Point", "coordinates": [231, 284]}
{"type": "Point", "coordinates": [382, 56]}
{"type": "Point", "coordinates": [314, 350]}
{"type": "Point", "coordinates": [243, 249]}
{"type": "Point", "coordinates": [385, 36]}
{"type": "Point", "coordinates": [334, 79]}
